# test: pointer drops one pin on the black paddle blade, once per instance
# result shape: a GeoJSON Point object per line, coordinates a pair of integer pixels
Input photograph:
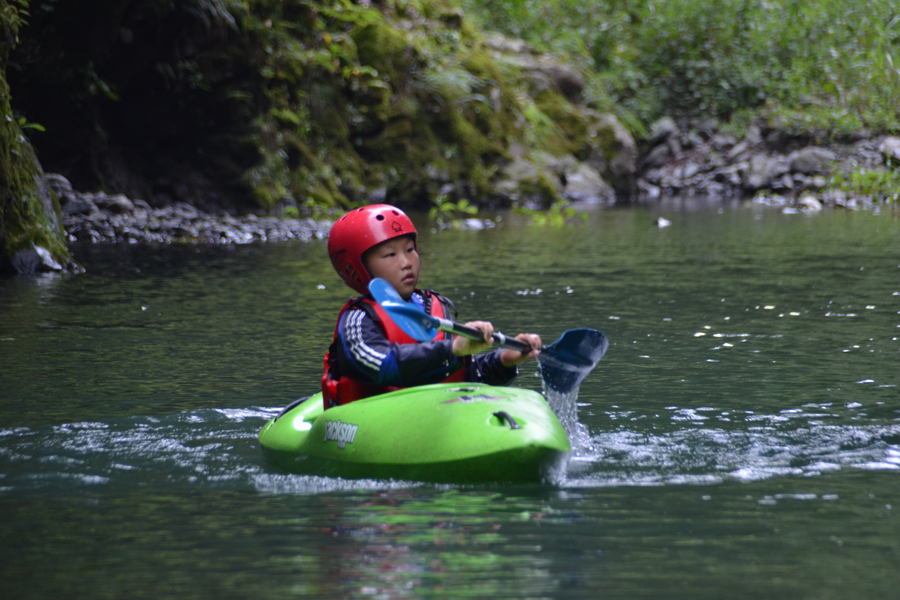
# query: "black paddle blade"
{"type": "Point", "coordinates": [567, 361]}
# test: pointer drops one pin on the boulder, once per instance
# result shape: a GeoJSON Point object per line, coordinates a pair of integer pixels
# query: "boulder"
{"type": "Point", "coordinates": [811, 160]}
{"type": "Point", "coordinates": [539, 67]}
{"type": "Point", "coordinates": [613, 153]}
{"type": "Point", "coordinates": [35, 259]}
{"type": "Point", "coordinates": [662, 130]}
{"type": "Point", "coordinates": [76, 205]}
{"type": "Point", "coordinates": [117, 204]}
{"type": "Point", "coordinates": [890, 150]}
{"type": "Point", "coordinates": [586, 185]}
{"type": "Point", "coordinates": [59, 184]}
{"type": "Point", "coordinates": [809, 203]}
{"type": "Point", "coordinates": [763, 170]}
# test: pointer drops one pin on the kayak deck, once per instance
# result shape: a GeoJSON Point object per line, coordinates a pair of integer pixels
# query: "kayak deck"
{"type": "Point", "coordinates": [446, 433]}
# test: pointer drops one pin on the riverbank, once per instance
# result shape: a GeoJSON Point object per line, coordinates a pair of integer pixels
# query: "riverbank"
{"type": "Point", "coordinates": [118, 219]}
{"type": "Point", "coordinates": [691, 159]}
{"type": "Point", "coordinates": [698, 158]}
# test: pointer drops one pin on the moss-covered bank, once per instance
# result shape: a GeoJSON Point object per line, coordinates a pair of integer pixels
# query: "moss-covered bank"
{"type": "Point", "coordinates": [288, 103]}
{"type": "Point", "coordinates": [31, 234]}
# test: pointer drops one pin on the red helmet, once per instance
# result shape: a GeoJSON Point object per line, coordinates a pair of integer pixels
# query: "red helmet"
{"type": "Point", "coordinates": [358, 231]}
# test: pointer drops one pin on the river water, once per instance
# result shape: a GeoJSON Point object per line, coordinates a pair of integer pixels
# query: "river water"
{"type": "Point", "coordinates": [743, 429]}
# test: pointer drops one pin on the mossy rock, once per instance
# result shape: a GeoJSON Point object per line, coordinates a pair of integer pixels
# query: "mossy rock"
{"type": "Point", "coordinates": [385, 49]}
{"type": "Point", "coordinates": [32, 238]}
{"type": "Point", "coordinates": [570, 119]}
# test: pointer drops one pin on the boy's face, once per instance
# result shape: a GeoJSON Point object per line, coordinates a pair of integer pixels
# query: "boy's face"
{"type": "Point", "coordinates": [397, 262]}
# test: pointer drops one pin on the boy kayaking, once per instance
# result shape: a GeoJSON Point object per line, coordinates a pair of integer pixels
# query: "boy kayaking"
{"type": "Point", "coordinates": [370, 354]}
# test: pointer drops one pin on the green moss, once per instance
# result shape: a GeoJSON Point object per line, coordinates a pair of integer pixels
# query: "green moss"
{"type": "Point", "coordinates": [571, 121]}
{"type": "Point", "coordinates": [385, 49]}
{"type": "Point", "coordinates": [23, 217]}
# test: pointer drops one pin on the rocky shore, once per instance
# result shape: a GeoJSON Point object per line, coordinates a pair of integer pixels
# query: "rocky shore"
{"type": "Point", "coordinates": [103, 218]}
{"type": "Point", "coordinates": [688, 159]}
{"type": "Point", "coordinates": [698, 159]}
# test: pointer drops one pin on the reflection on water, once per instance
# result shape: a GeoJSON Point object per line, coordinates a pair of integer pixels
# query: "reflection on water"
{"type": "Point", "coordinates": [742, 432]}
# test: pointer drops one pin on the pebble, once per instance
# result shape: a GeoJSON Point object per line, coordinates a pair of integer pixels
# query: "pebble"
{"type": "Point", "coordinates": [99, 218]}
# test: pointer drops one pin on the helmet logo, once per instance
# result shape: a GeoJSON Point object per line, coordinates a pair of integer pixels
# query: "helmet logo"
{"type": "Point", "coordinates": [396, 226]}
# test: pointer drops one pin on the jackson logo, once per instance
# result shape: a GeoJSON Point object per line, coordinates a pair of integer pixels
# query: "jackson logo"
{"type": "Point", "coordinates": [340, 432]}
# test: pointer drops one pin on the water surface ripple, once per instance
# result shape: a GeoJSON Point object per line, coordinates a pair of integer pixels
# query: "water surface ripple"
{"type": "Point", "coordinates": [742, 432]}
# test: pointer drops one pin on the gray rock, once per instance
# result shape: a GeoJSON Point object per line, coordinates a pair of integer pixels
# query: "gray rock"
{"type": "Point", "coordinates": [520, 170]}
{"type": "Point", "coordinates": [566, 78]}
{"type": "Point", "coordinates": [586, 185]}
{"type": "Point", "coordinates": [763, 170]}
{"type": "Point", "coordinates": [721, 141]}
{"type": "Point", "coordinates": [559, 166]}
{"type": "Point", "coordinates": [59, 184]}
{"type": "Point", "coordinates": [35, 260]}
{"type": "Point", "coordinates": [648, 190]}
{"type": "Point", "coordinates": [754, 135]}
{"type": "Point", "coordinates": [500, 43]}
{"type": "Point", "coordinates": [674, 145]}
{"type": "Point", "coordinates": [738, 151]}
{"type": "Point", "coordinates": [810, 203]}
{"type": "Point", "coordinates": [690, 170]}
{"type": "Point", "coordinates": [75, 205]}
{"type": "Point", "coordinates": [706, 126]}
{"type": "Point", "coordinates": [890, 150]}
{"type": "Point", "coordinates": [811, 160]}
{"type": "Point", "coordinates": [613, 153]}
{"type": "Point", "coordinates": [657, 157]}
{"type": "Point", "coordinates": [117, 204]}
{"type": "Point", "coordinates": [662, 130]}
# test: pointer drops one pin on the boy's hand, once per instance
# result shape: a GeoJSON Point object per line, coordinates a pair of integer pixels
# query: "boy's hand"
{"type": "Point", "coordinates": [510, 357]}
{"type": "Point", "coordinates": [464, 346]}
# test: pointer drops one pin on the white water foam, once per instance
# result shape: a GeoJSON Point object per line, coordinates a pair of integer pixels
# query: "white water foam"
{"type": "Point", "coordinates": [565, 406]}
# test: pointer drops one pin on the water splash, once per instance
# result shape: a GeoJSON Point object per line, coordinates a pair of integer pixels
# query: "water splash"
{"type": "Point", "coordinates": [565, 406]}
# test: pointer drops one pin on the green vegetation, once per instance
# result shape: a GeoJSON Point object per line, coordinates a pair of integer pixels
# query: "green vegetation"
{"type": "Point", "coordinates": [446, 213]}
{"type": "Point", "coordinates": [877, 185]}
{"type": "Point", "coordinates": [558, 215]}
{"type": "Point", "coordinates": [303, 106]}
{"type": "Point", "coordinates": [815, 68]}
{"type": "Point", "coordinates": [303, 103]}
{"type": "Point", "coordinates": [26, 219]}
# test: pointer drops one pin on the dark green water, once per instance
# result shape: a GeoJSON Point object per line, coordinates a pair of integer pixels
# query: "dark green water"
{"type": "Point", "coordinates": [744, 425]}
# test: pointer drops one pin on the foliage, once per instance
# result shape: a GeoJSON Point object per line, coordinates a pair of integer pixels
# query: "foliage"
{"type": "Point", "coordinates": [558, 215]}
{"type": "Point", "coordinates": [879, 184]}
{"type": "Point", "coordinates": [447, 214]}
{"type": "Point", "coordinates": [811, 67]}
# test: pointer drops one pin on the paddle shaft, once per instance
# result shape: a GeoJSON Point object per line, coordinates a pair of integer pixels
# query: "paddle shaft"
{"type": "Point", "coordinates": [476, 334]}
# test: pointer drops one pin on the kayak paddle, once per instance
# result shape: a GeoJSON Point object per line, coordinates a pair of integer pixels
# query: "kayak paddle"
{"type": "Point", "coordinates": [564, 363]}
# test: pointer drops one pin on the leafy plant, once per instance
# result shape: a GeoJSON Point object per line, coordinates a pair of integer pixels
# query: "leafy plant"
{"type": "Point", "coordinates": [879, 184]}
{"type": "Point", "coordinates": [449, 214]}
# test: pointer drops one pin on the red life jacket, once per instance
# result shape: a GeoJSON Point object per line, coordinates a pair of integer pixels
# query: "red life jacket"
{"type": "Point", "coordinates": [344, 390]}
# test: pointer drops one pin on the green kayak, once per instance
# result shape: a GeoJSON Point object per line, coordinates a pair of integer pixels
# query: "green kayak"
{"type": "Point", "coordinates": [444, 433]}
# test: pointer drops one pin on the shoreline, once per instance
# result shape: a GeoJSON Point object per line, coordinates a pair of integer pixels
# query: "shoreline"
{"type": "Point", "coordinates": [684, 163]}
